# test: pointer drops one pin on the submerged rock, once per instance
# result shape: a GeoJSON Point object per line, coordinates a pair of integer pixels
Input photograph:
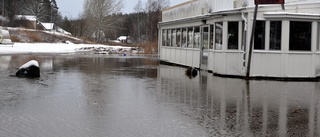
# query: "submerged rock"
{"type": "Point", "coordinates": [191, 72]}
{"type": "Point", "coordinates": [29, 70]}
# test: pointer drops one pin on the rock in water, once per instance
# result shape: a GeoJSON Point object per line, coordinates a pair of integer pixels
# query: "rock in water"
{"type": "Point", "coordinates": [191, 72]}
{"type": "Point", "coordinates": [29, 70]}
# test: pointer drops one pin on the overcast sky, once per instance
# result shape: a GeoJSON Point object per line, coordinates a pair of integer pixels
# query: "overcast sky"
{"type": "Point", "coordinates": [72, 8]}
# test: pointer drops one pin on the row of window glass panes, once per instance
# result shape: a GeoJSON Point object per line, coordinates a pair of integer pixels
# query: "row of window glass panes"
{"type": "Point", "coordinates": [190, 37]}
{"type": "Point", "coordinates": [299, 35]}
{"type": "Point", "coordinates": [182, 37]}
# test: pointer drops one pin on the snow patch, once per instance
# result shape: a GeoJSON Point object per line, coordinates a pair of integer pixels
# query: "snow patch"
{"type": "Point", "coordinates": [30, 63]}
{"type": "Point", "coordinates": [29, 48]}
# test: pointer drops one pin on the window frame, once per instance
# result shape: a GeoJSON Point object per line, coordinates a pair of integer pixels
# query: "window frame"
{"type": "Point", "coordinates": [294, 41]}
{"type": "Point", "coordinates": [190, 37]}
{"type": "Point", "coordinates": [173, 37]}
{"type": "Point", "coordinates": [178, 37]}
{"type": "Point", "coordinates": [164, 37]}
{"type": "Point", "coordinates": [168, 38]}
{"type": "Point", "coordinates": [184, 39]}
{"type": "Point", "coordinates": [216, 35]}
{"type": "Point", "coordinates": [196, 37]}
{"type": "Point", "coordinates": [236, 37]}
{"type": "Point", "coordinates": [256, 35]}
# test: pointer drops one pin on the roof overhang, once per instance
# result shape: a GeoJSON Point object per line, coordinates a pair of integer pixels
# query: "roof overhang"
{"type": "Point", "coordinates": [287, 15]}
{"type": "Point", "coordinates": [201, 17]}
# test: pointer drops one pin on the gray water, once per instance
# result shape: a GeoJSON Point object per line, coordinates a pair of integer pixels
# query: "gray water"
{"type": "Point", "coordinates": [134, 96]}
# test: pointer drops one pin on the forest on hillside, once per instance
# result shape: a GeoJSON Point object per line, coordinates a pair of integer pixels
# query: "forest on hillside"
{"type": "Point", "coordinates": [100, 20]}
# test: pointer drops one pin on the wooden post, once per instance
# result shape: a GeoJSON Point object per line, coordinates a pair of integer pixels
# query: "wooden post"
{"type": "Point", "coordinates": [251, 41]}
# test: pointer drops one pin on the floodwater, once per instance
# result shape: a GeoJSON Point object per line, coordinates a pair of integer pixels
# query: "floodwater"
{"type": "Point", "coordinates": [134, 96]}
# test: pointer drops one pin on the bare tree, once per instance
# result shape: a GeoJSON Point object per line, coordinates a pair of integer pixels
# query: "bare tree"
{"type": "Point", "coordinates": [138, 9]}
{"type": "Point", "coordinates": [98, 16]}
{"type": "Point", "coordinates": [44, 10]}
{"type": "Point", "coordinates": [154, 9]}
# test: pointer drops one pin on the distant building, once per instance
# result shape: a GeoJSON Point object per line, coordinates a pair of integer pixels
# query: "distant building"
{"type": "Point", "coordinates": [29, 21]}
{"type": "Point", "coordinates": [48, 26]}
{"type": "Point", "coordinates": [125, 39]}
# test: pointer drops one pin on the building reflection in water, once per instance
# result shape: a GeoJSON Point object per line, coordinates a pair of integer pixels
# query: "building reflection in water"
{"type": "Point", "coordinates": [233, 107]}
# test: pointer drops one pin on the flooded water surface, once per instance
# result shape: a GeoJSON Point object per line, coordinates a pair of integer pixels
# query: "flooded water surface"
{"type": "Point", "coordinates": [134, 96]}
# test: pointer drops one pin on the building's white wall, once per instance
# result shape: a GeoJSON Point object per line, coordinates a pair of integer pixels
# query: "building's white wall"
{"type": "Point", "coordinates": [211, 60]}
{"type": "Point", "coordinates": [189, 57]}
{"type": "Point", "coordinates": [219, 63]}
{"type": "Point", "coordinates": [265, 63]}
{"type": "Point", "coordinates": [184, 57]}
{"type": "Point", "coordinates": [227, 63]}
{"type": "Point", "coordinates": [299, 65]}
{"type": "Point", "coordinates": [234, 63]}
{"type": "Point", "coordinates": [189, 9]}
{"type": "Point", "coordinates": [196, 58]}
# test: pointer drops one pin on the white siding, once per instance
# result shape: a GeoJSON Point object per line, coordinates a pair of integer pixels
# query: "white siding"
{"type": "Point", "coordinates": [201, 7]}
{"type": "Point", "coordinates": [266, 63]}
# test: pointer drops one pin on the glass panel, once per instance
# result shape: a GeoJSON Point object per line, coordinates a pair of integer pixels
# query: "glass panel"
{"type": "Point", "coordinates": [205, 42]}
{"type": "Point", "coordinates": [275, 35]}
{"type": "Point", "coordinates": [173, 38]}
{"type": "Point", "coordinates": [184, 37]}
{"type": "Point", "coordinates": [211, 37]}
{"type": "Point", "coordinates": [179, 37]}
{"type": "Point", "coordinates": [196, 37]}
{"type": "Point", "coordinates": [190, 37]}
{"type": "Point", "coordinates": [205, 37]}
{"type": "Point", "coordinates": [300, 36]}
{"type": "Point", "coordinates": [164, 37]}
{"type": "Point", "coordinates": [233, 35]}
{"type": "Point", "coordinates": [259, 36]}
{"type": "Point", "coordinates": [318, 45]}
{"type": "Point", "coordinates": [218, 35]}
{"type": "Point", "coordinates": [168, 37]}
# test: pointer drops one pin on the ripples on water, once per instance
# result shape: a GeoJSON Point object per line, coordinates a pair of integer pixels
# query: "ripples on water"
{"type": "Point", "coordinates": [81, 95]}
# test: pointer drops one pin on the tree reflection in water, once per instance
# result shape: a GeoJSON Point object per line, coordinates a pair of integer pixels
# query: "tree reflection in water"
{"type": "Point", "coordinates": [234, 107]}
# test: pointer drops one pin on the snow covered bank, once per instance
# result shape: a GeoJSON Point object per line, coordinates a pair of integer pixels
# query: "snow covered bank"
{"type": "Point", "coordinates": [29, 48]}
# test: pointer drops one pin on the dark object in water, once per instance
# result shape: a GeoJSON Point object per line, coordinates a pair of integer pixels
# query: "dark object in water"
{"type": "Point", "coordinates": [29, 70]}
{"type": "Point", "coordinates": [191, 72]}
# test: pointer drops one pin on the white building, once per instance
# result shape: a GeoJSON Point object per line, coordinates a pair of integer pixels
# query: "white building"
{"type": "Point", "coordinates": [214, 35]}
{"type": "Point", "coordinates": [125, 39]}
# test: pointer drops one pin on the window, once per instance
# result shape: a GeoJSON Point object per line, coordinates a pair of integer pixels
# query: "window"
{"type": "Point", "coordinates": [168, 37]}
{"type": "Point", "coordinates": [205, 37]}
{"type": "Point", "coordinates": [218, 35]}
{"type": "Point", "coordinates": [173, 38]}
{"type": "Point", "coordinates": [318, 45]}
{"type": "Point", "coordinates": [196, 38]}
{"type": "Point", "coordinates": [190, 37]}
{"type": "Point", "coordinates": [211, 36]}
{"type": "Point", "coordinates": [179, 37]}
{"type": "Point", "coordinates": [184, 37]}
{"type": "Point", "coordinates": [259, 36]}
{"type": "Point", "coordinates": [233, 35]}
{"type": "Point", "coordinates": [275, 35]}
{"type": "Point", "coordinates": [300, 36]}
{"type": "Point", "coordinates": [164, 37]}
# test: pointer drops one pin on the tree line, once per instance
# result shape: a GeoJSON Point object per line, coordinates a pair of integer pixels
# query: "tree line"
{"type": "Point", "coordinates": [44, 10]}
{"type": "Point", "coordinates": [100, 21]}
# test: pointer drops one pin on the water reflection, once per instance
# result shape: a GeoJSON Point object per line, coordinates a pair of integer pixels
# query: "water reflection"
{"type": "Point", "coordinates": [80, 95]}
{"type": "Point", "coordinates": [233, 107]}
